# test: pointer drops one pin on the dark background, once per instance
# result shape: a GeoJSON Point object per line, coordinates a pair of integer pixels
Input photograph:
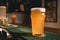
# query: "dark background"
{"type": "Point", "coordinates": [15, 4]}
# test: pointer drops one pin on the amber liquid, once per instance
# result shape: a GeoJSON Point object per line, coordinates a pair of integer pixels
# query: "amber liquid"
{"type": "Point", "coordinates": [37, 20]}
{"type": "Point", "coordinates": [13, 19]}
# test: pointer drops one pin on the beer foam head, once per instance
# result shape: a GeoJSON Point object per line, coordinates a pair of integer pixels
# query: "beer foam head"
{"type": "Point", "coordinates": [41, 9]}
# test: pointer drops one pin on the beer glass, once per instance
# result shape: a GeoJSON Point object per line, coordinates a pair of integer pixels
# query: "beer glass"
{"type": "Point", "coordinates": [37, 21]}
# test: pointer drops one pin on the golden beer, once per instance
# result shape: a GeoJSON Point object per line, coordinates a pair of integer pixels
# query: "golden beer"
{"type": "Point", "coordinates": [37, 20]}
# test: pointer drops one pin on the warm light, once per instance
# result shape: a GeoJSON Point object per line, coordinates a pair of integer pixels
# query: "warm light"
{"type": "Point", "coordinates": [0, 29]}
{"type": "Point", "coordinates": [43, 14]}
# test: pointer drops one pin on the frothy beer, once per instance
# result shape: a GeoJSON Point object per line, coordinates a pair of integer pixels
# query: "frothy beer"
{"type": "Point", "coordinates": [37, 20]}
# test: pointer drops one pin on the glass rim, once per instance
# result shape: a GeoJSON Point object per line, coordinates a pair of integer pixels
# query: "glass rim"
{"type": "Point", "coordinates": [2, 7]}
{"type": "Point", "coordinates": [41, 9]}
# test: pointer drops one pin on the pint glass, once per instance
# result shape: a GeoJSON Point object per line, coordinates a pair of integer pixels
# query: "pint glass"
{"type": "Point", "coordinates": [37, 20]}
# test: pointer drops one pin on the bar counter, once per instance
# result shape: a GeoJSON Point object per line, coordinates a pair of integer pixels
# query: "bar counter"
{"type": "Point", "coordinates": [25, 33]}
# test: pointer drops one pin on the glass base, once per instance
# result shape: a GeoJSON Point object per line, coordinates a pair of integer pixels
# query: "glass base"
{"type": "Point", "coordinates": [39, 35]}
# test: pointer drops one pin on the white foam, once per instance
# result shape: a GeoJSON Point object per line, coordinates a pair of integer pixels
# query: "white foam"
{"type": "Point", "coordinates": [41, 9]}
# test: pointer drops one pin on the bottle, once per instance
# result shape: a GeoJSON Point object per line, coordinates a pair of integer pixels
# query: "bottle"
{"type": "Point", "coordinates": [13, 17]}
